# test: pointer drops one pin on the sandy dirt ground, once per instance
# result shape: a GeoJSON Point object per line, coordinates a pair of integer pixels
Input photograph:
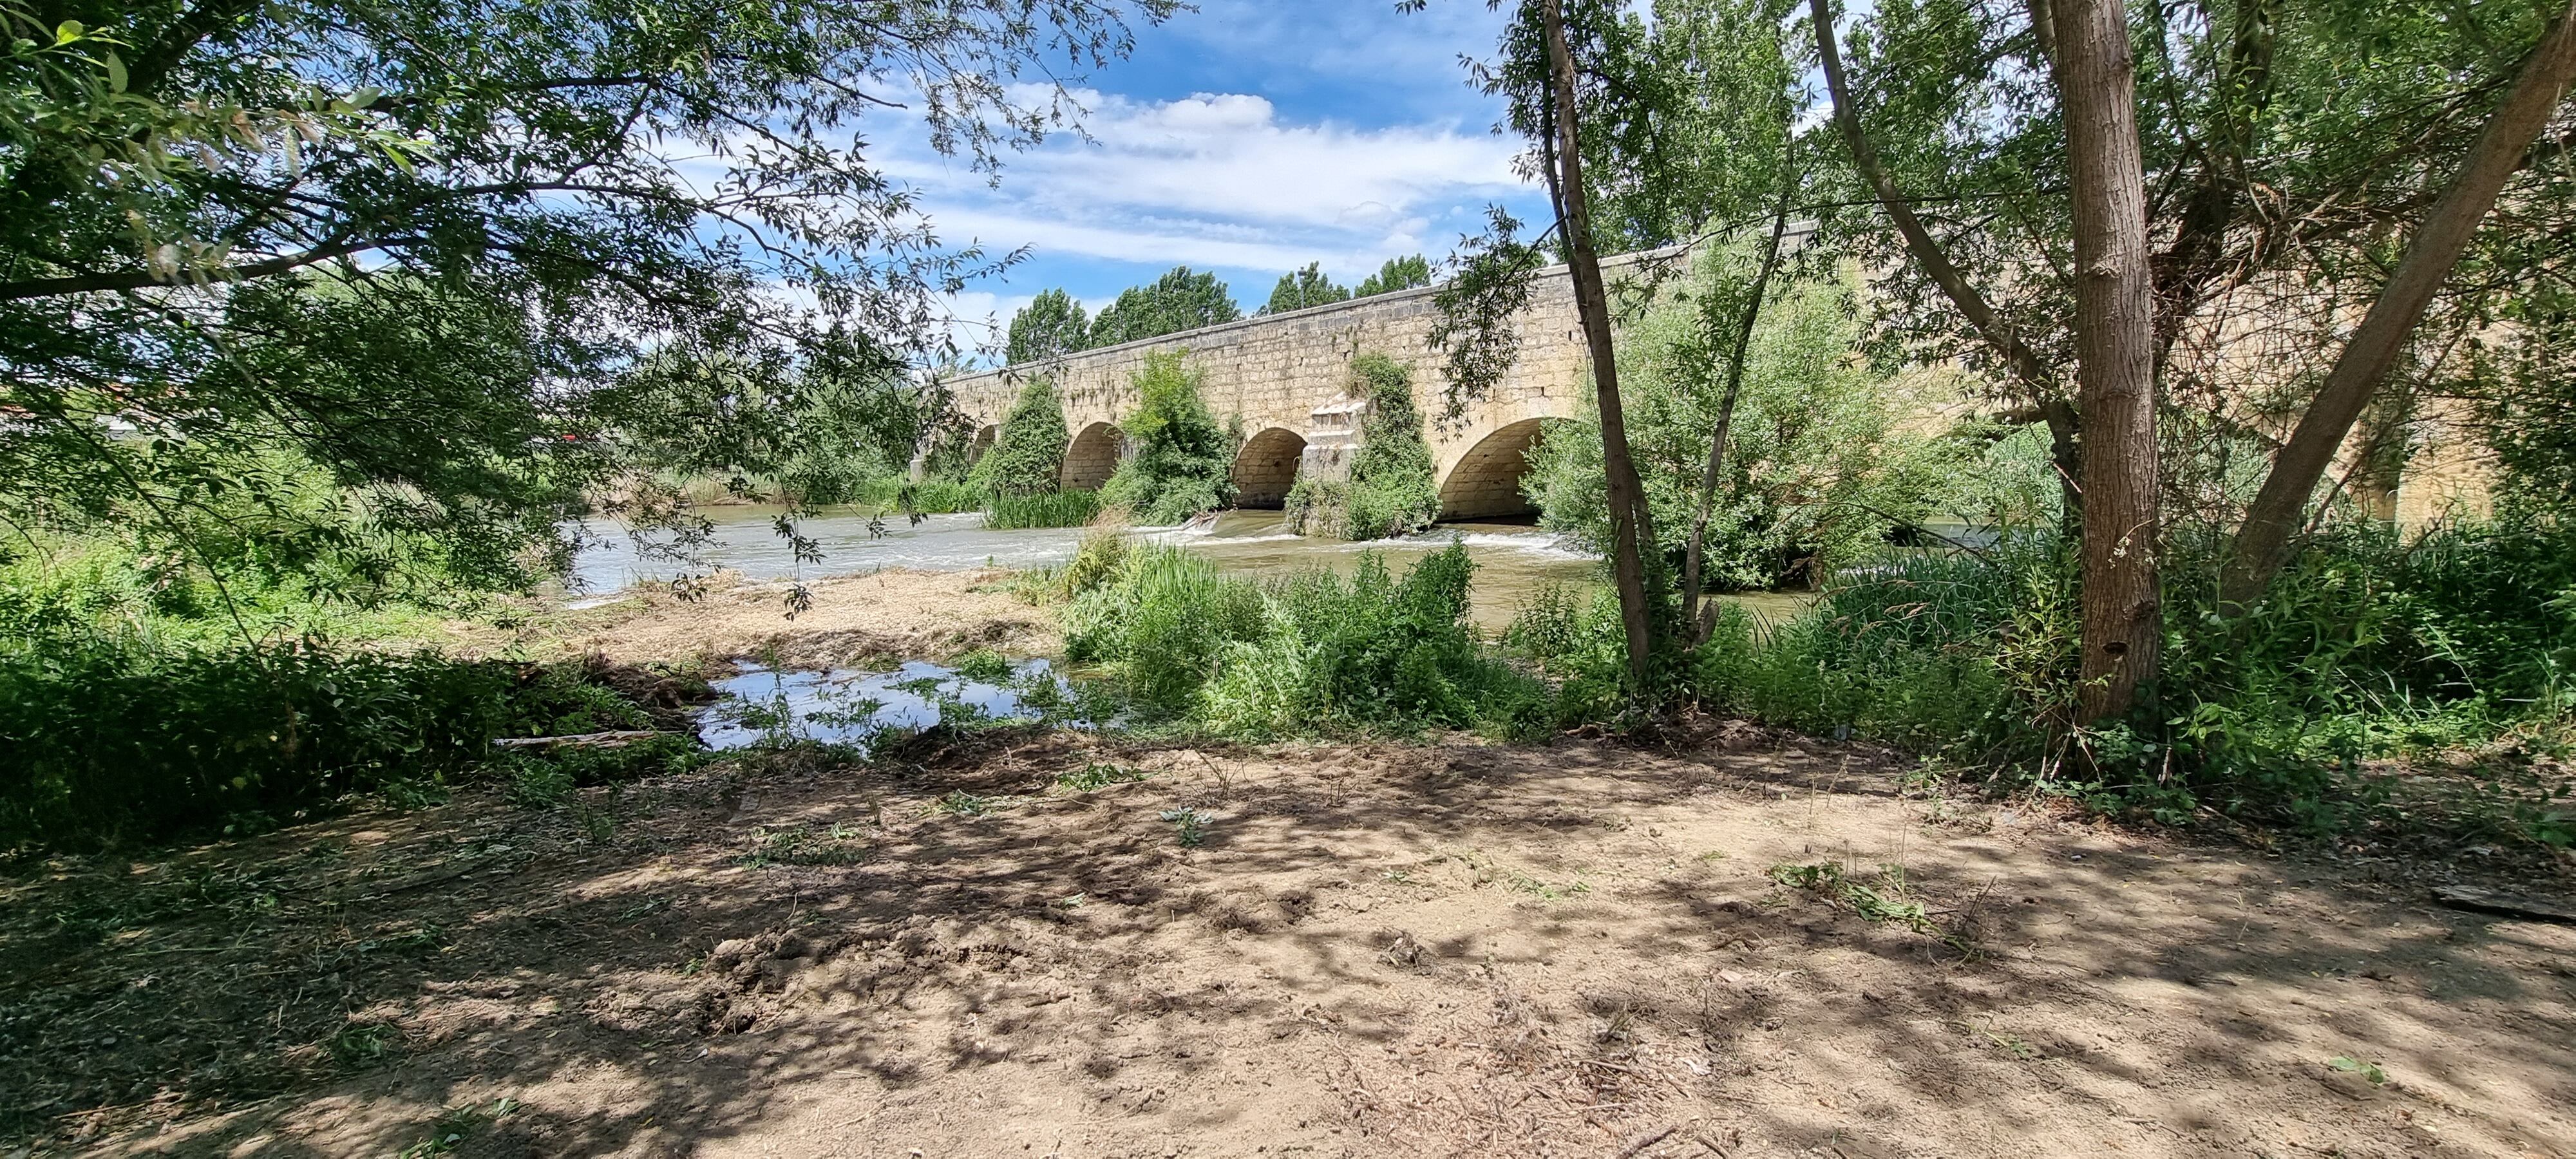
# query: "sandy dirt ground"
{"type": "Point", "coordinates": [1577, 949]}
{"type": "Point", "coordinates": [885, 616]}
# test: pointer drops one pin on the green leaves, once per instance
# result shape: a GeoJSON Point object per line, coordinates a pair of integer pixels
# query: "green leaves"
{"type": "Point", "coordinates": [448, 238]}
{"type": "Point", "coordinates": [1177, 301]}
{"type": "Point", "coordinates": [1050, 326]}
{"type": "Point", "coordinates": [1184, 462]}
{"type": "Point", "coordinates": [1303, 288]}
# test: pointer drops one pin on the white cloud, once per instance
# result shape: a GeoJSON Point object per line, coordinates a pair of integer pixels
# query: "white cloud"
{"type": "Point", "coordinates": [1218, 180]}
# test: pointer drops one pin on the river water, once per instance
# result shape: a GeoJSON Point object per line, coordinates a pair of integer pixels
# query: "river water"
{"type": "Point", "coordinates": [1513, 561]}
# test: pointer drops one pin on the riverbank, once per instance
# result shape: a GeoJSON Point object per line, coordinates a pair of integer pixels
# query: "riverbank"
{"type": "Point", "coordinates": [1514, 561]}
{"type": "Point", "coordinates": [1737, 941]}
{"type": "Point", "coordinates": [879, 619]}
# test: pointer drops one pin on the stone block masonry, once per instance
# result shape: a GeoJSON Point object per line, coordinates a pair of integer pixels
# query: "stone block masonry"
{"type": "Point", "coordinates": [1285, 379]}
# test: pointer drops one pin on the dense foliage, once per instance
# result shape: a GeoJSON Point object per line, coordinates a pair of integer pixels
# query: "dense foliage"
{"type": "Point", "coordinates": [1184, 462]}
{"type": "Point", "coordinates": [1314, 653]}
{"type": "Point", "coordinates": [1027, 455]}
{"type": "Point", "coordinates": [1050, 326]}
{"type": "Point", "coordinates": [1303, 288]}
{"type": "Point", "coordinates": [127, 743]}
{"type": "Point", "coordinates": [399, 245]}
{"type": "Point", "coordinates": [1390, 491]}
{"type": "Point", "coordinates": [1815, 474]}
{"type": "Point", "coordinates": [1177, 301]}
{"type": "Point", "coordinates": [1404, 273]}
{"type": "Point", "coordinates": [2523, 382]}
{"type": "Point", "coordinates": [132, 709]}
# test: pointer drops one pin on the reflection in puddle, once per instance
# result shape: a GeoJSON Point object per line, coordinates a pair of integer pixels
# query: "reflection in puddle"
{"type": "Point", "coordinates": [845, 706]}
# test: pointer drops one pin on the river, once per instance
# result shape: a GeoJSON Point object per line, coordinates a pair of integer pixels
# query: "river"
{"type": "Point", "coordinates": [1513, 561]}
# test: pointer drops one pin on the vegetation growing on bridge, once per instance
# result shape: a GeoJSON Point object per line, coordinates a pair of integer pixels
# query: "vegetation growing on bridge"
{"type": "Point", "coordinates": [1027, 455]}
{"type": "Point", "coordinates": [1184, 462]}
{"type": "Point", "coordinates": [1390, 491]}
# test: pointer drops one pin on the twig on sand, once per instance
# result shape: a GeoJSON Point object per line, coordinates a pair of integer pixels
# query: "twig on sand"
{"type": "Point", "coordinates": [1640, 1143]}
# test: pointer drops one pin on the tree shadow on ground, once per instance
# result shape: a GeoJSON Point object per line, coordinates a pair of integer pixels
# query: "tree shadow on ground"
{"type": "Point", "coordinates": [1368, 949]}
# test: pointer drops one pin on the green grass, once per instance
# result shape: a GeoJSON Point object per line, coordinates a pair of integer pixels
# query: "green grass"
{"type": "Point", "coordinates": [1051, 509]}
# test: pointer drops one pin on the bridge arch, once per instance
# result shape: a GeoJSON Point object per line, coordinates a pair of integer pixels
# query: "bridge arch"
{"type": "Point", "coordinates": [1266, 468]}
{"type": "Point", "coordinates": [1091, 457]}
{"type": "Point", "coordinates": [985, 437]}
{"type": "Point", "coordinates": [1485, 483]}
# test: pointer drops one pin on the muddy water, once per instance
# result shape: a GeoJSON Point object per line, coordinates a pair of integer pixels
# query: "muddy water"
{"type": "Point", "coordinates": [1513, 561]}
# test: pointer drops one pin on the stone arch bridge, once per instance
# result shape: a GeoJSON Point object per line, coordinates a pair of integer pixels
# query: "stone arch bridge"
{"type": "Point", "coordinates": [1286, 380]}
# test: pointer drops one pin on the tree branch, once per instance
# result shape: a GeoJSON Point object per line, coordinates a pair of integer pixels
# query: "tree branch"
{"type": "Point", "coordinates": [1991, 327]}
{"type": "Point", "coordinates": [144, 279]}
{"type": "Point", "coordinates": [2263, 545]}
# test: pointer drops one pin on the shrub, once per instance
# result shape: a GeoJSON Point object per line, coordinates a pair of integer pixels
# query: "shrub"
{"type": "Point", "coordinates": [1162, 619]}
{"type": "Point", "coordinates": [2371, 644]}
{"type": "Point", "coordinates": [1390, 492]}
{"type": "Point", "coordinates": [1369, 652]}
{"type": "Point", "coordinates": [1027, 457]}
{"type": "Point", "coordinates": [1053, 509]}
{"type": "Point", "coordinates": [1095, 560]}
{"type": "Point", "coordinates": [1816, 472]}
{"type": "Point", "coordinates": [1314, 653]}
{"type": "Point", "coordinates": [108, 743]}
{"type": "Point", "coordinates": [1184, 462]}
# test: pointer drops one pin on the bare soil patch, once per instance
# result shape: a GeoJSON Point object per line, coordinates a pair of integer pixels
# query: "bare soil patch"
{"type": "Point", "coordinates": [1573, 950]}
{"type": "Point", "coordinates": [882, 617]}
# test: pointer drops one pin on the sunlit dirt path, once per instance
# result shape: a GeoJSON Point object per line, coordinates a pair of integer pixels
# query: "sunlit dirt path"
{"type": "Point", "coordinates": [1575, 950]}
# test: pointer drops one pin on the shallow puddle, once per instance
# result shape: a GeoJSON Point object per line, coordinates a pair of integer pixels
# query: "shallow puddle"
{"type": "Point", "coordinates": [848, 706]}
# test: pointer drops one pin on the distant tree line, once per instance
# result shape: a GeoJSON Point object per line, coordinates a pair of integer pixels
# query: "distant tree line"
{"type": "Point", "coordinates": [1053, 324]}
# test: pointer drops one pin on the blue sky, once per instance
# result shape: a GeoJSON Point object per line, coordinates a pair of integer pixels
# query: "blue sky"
{"type": "Point", "coordinates": [1247, 138]}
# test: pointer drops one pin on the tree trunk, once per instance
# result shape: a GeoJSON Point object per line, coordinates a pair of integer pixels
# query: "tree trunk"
{"type": "Point", "coordinates": [2115, 355]}
{"type": "Point", "coordinates": [1631, 525]}
{"type": "Point", "coordinates": [1695, 555]}
{"type": "Point", "coordinates": [2263, 544]}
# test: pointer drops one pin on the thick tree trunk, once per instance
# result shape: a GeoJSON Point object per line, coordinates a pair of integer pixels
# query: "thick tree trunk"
{"type": "Point", "coordinates": [2115, 354]}
{"type": "Point", "coordinates": [2263, 544]}
{"type": "Point", "coordinates": [1695, 556]}
{"type": "Point", "coordinates": [1631, 525]}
